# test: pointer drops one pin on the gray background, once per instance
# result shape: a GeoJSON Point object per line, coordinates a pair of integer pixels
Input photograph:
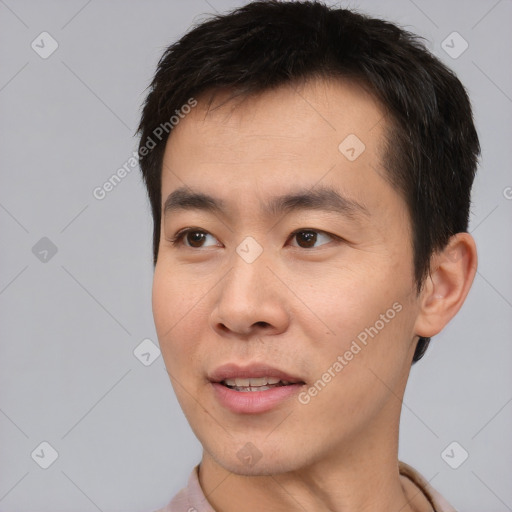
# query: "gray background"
{"type": "Point", "coordinates": [70, 324]}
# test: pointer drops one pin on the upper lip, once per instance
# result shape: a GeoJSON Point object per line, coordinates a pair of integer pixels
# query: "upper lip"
{"type": "Point", "coordinates": [234, 371]}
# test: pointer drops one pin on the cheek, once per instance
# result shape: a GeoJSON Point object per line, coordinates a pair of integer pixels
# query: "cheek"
{"type": "Point", "coordinates": [360, 369]}
{"type": "Point", "coordinates": [178, 308]}
{"type": "Point", "coordinates": [164, 294]}
{"type": "Point", "coordinates": [365, 316]}
{"type": "Point", "coordinates": [345, 301]}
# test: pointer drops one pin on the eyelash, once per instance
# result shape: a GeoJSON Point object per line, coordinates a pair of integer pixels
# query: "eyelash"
{"type": "Point", "coordinates": [178, 237]}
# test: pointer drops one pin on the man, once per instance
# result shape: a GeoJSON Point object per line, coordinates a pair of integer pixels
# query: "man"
{"type": "Point", "coordinates": [309, 171]}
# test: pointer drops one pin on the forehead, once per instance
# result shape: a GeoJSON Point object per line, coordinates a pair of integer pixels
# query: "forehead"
{"type": "Point", "coordinates": [325, 131]}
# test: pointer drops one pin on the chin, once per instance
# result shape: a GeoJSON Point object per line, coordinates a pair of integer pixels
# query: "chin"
{"type": "Point", "coordinates": [258, 469]}
{"type": "Point", "coordinates": [249, 461]}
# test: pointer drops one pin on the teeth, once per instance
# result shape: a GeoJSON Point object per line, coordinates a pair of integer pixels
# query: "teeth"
{"type": "Point", "coordinates": [259, 388]}
{"type": "Point", "coordinates": [252, 382]}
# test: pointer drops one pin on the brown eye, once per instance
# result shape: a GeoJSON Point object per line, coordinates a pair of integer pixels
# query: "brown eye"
{"type": "Point", "coordinates": [195, 238]}
{"type": "Point", "coordinates": [307, 238]}
{"type": "Point", "coordinates": [190, 237]}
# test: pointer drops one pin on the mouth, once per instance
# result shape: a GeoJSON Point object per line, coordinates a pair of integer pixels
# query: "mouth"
{"type": "Point", "coordinates": [253, 389]}
{"type": "Point", "coordinates": [256, 383]}
{"type": "Point", "coordinates": [256, 375]}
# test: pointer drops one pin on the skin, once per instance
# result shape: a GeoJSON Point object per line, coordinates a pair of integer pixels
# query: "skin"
{"type": "Point", "coordinates": [297, 308]}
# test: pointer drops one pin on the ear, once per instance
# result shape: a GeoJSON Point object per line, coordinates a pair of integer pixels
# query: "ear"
{"type": "Point", "coordinates": [445, 290]}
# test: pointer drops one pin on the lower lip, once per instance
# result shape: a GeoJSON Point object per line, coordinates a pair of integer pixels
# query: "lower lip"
{"type": "Point", "coordinates": [251, 402]}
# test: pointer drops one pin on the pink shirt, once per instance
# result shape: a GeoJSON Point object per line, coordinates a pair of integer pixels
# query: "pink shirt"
{"type": "Point", "coordinates": [192, 499]}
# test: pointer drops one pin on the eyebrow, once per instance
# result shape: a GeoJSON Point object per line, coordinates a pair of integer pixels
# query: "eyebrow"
{"type": "Point", "coordinates": [320, 198]}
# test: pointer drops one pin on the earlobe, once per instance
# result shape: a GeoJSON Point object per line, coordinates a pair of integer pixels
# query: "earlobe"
{"type": "Point", "coordinates": [445, 290]}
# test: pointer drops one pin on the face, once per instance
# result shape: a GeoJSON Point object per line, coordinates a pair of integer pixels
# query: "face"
{"type": "Point", "coordinates": [298, 266]}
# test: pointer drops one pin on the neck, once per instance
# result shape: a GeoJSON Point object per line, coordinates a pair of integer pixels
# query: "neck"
{"type": "Point", "coordinates": [364, 477]}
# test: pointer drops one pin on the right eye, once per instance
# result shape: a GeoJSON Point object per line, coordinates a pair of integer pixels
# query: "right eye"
{"type": "Point", "coordinates": [194, 238]}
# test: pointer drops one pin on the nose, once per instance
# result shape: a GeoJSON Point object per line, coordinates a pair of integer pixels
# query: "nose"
{"type": "Point", "coordinates": [250, 301]}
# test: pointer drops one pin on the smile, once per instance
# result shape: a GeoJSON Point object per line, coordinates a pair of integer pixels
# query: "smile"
{"type": "Point", "coordinates": [254, 384]}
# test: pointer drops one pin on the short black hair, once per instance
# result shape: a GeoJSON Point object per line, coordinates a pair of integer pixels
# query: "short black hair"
{"type": "Point", "coordinates": [431, 149]}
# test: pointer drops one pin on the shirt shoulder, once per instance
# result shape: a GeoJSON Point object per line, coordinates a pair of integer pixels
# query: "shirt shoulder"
{"type": "Point", "coordinates": [177, 504]}
{"type": "Point", "coordinates": [189, 499]}
{"type": "Point", "coordinates": [438, 502]}
{"type": "Point", "coordinates": [192, 499]}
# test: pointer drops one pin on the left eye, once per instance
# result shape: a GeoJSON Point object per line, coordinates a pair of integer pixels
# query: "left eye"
{"type": "Point", "coordinates": [306, 238]}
